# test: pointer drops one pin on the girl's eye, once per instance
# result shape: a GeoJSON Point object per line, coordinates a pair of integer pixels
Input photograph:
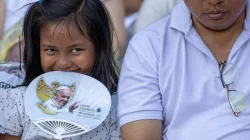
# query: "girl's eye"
{"type": "Point", "coordinates": [50, 50]}
{"type": "Point", "coordinates": [77, 50]}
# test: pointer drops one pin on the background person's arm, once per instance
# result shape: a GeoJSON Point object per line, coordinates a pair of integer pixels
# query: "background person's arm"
{"type": "Point", "coordinates": [131, 6]}
{"type": "Point", "coordinates": [142, 130]}
{"type": "Point", "coordinates": [116, 11]}
{"type": "Point", "coordinates": [2, 18]}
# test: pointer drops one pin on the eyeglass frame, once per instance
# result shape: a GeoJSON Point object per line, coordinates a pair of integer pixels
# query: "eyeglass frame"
{"type": "Point", "coordinates": [226, 86]}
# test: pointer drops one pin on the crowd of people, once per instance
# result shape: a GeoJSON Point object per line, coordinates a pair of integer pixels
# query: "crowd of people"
{"type": "Point", "coordinates": [175, 69]}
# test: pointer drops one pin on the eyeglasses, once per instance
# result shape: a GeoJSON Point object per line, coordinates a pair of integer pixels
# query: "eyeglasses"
{"type": "Point", "coordinates": [238, 100]}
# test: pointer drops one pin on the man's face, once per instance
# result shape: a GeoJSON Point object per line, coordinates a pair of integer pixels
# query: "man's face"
{"type": "Point", "coordinates": [216, 14]}
{"type": "Point", "coordinates": [62, 97]}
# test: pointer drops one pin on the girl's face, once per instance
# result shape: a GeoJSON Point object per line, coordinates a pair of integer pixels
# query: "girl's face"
{"type": "Point", "coordinates": [64, 48]}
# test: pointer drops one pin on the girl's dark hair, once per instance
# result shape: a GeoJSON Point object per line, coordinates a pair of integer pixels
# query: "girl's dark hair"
{"type": "Point", "coordinates": [92, 20]}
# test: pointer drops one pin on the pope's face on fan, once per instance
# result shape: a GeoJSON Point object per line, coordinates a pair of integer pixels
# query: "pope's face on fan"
{"type": "Point", "coordinates": [62, 96]}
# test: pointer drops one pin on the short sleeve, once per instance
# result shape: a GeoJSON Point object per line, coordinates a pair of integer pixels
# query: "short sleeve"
{"type": "Point", "coordinates": [12, 113]}
{"type": "Point", "coordinates": [139, 96]}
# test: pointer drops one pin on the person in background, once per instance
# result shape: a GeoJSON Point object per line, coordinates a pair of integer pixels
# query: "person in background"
{"type": "Point", "coordinates": [152, 11]}
{"type": "Point", "coordinates": [117, 14]}
{"type": "Point", "coordinates": [131, 8]}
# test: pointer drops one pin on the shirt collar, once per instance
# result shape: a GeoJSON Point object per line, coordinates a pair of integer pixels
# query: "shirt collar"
{"type": "Point", "coordinates": [181, 18]}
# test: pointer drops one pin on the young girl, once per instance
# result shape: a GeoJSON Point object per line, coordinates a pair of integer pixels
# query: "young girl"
{"type": "Point", "coordinates": [63, 35]}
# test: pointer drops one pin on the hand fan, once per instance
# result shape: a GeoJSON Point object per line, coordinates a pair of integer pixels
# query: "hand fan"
{"type": "Point", "coordinates": [66, 104]}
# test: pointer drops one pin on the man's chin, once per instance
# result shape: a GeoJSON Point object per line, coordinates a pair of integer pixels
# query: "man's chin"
{"type": "Point", "coordinates": [219, 26]}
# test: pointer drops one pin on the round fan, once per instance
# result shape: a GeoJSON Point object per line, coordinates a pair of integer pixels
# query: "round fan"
{"type": "Point", "coordinates": [66, 104]}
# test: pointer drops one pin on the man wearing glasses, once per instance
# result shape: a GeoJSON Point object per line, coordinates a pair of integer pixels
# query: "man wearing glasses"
{"type": "Point", "coordinates": [187, 76]}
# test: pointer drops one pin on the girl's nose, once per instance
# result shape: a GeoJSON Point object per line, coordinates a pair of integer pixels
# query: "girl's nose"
{"type": "Point", "coordinates": [64, 63]}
